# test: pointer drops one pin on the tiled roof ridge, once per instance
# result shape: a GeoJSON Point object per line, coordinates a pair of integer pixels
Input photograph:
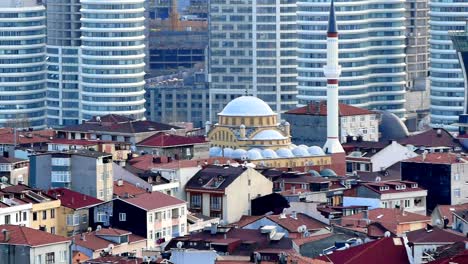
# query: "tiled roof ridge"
{"type": "Point", "coordinates": [366, 249]}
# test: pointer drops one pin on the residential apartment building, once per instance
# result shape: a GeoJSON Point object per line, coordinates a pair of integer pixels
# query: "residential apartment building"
{"type": "Point", "coordinates": [84, 79]}
{"type": "Point", "coordinates": [74, 214]}
{"type": "Point", "coordinates": [252, 51]}
{"type": "Point", "coordinates": [14, 211]}
{"type": "Point", "coordinates": [443, 175]}
{"type": "Point", "coordinates": [372, 53]}
{"type": "Point", "coordinates": [84, 171]}
{"type": "Point", "coordinates": [226, 192]}
{"type": "Point", "coordinates": [154, 215]}
{"type": "Point", "coordinates": [22, 63]}
{"type": "Point", "coordinates": [353, 122]}
{"type": "Point", "coordinates": [391, 194]}
{"type": "Point", "coordinates": [21, 244]}
{"type": "Point", "coordinates": [44, 209]}
{"type": "Point", "coordinates": [447, 83]}
{"type": "Point", "coordinates": [15, 170]}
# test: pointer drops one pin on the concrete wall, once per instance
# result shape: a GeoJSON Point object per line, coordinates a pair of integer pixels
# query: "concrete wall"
{"type": "Point", "coordinates": [13, 211]}
{"type": "Point", "coordinates": [459, 178]}
{"type": "Point", "coordinates": [56, 248]}
{"type": "Point", "coordinates": [390, 155]}
{"type": "Point", "coordinates": [40, 171]}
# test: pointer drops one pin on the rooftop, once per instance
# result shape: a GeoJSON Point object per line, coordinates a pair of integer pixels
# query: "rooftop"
{"type": "Point", "coordinates": [114, 260]}
{"type": "Point", "coordinates": [393, 187]}
{"type": "Point", "coordinates": [163, 139]}
{"type": "Point", "coordinates": [320, 109]}
{"type": "Point", "coordinates": [286, 221]}
{"type": "Point", "coordinates": [213, 177]}
{"type": "Point", "coordinates": [447, 210]}
{"type": "Point", "coordinates": [154, 200]}
{"type": "Point", "coordinates": [438, 158]}
{"type": "Point", "coordinates": [384, 250]}
{"type": "Point", "coordinates": [118, 124]}
{"type": "Point", "coordinates": [95, 241]}
{"type": "Point", "coordinates": [434, 137]}
{"type": "Point", "coordinates": [7, 136]}
{"type": "Point", "coordinates": [434, 235]}
{"type": "Point", "coordinates": [21, 235]}
{"type": "Point", "coordinates": [72, 199]}
{"type": "Point", "coordinates": [10, 160]}
{"type": "Point", "coordinates": [123, 188]}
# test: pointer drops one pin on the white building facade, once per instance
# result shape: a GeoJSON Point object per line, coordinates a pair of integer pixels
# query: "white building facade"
{"type": "Point", "coordinates": [371, 53]}
{"type": "Point", "coordinates": [252, 50]}
{"type": "Point", "coordinates": [22, 63]}
{"type": "Point", "coordinates": [447, 83]}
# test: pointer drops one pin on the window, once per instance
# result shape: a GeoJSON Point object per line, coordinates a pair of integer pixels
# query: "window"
{"type": "Point", "coordinates": [384, 205]}
{"type": "Point", "coordinates": [52, 213]}
{"type": "Point", "coordinates": [457, 177]}
{"type": "Point", "coordinates": [457, 193]}
{"type": "Point", "coordinates": [52, 230]}
{"type": "Point", "coordinates": [101, 217]}
{"type": "Point", "coordinates": [84, 219]}
{"type": "Point", "coordinates": [122, 217]}
{"type": "Point", "coordinates": [73, 220]}
{"type": "Point", "coordinates": [150, 234]}
{"type": "Point", "coordinates": [249, 182]}
{"type": "Point", "coordinates": [39, 259]}
{"type": "Point", "coordinates": [25, 216]}
{"type": "Point", "coordinates": [150, 218]}
{"type": "Point", "coordinates": [7, 219]}
{"type": "Point", "coordinates": [182, 229]}
{"type": "Point", "coordinates": [44, 215]}
{"type": "Point", "coordinates": [50, 258]}
{"type": "Point", "coordinates": [157, 216]}
{"type": "Point", "coordinates": [182, 211]}
{"type": "Point", "coordinates": [407, 203]}
{"type": "Point", "coordinates": [63, 256]}
{"type": "Point", "coordinates": [195, 200]}
{"type": "Point", "coordinates": [215, 202]}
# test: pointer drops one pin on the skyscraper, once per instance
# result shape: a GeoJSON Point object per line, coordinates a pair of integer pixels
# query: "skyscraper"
{"type": "Point", "coordinates": [22, 63]}
{"type": "Point", "coordinates": [447, 85]}
{"type": "Point", "coordinates": [252, 50]}
{"type": "Point", "coordinates": [372, 53]}
{"type": "Point", "coordinates": [96, 62]}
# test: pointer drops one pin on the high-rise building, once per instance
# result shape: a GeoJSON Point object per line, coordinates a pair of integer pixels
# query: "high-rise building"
{"type": "Point", "coordinates": [447, 85]}
{"type": "Point", "coordinates": [22, 63]}
{"type": "Point", "coordinates": [371, 53]}
{"type": "Point", "coordinates": [63, 51]}
{"type": "Point", "coordinates": [252, 50]}
{"type": "Point", "coordinates": [96, 63]}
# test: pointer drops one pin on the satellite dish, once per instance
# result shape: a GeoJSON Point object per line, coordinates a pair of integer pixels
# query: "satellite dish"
{"type": "Point", "coordinates": [99, 227]}
{"type": "Point", "coordinates": [110, 246]}
{"type": "Point", "coordinates": [378, 179]}
{"type": "Point", "coordinates": [387, 234]}
{"type": "Point", "coordinates": [359, 241]}
{"type": "Point", "coordinates": [89, 229]}
{"type": "Point", "coordinates": [179, 244]}
{"type": "Point", "coordinates": [153, 258]}
{"type": "Point", "coordinates": [4, 179]}
{"type": "Point", "coordinates": [145, 259]}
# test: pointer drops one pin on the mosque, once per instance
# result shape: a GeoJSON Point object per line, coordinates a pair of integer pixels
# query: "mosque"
{"type": "Point", "coordinates": [248, 130]}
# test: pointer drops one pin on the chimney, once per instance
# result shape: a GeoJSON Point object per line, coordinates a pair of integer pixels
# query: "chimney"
{"type": "Point", "coordinates": [439, 132]}
{"type": "Point", "coordinates": [120, 182]}
{"type": "Point", "coordinates": [6, 235]}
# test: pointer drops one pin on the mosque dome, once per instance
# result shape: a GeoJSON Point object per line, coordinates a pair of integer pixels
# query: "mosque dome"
{"type": "Point", "coordinates": [247, 106]}
{"type": "Point", "coordinates": [300, 152]}
{"type": "Point", "coordinates": [268, 135]}
{"type": "Point", "coordinates": [216, 152]}
{"type": "Point", "coordinates": [284, 153]}
{"type": "Point", "coordinates": [228, 152]}
{"type": "Point", "coordinates": [327, 173]}
{"type": "Point", "coordinates": [391, 127]}
{"type": "Point", "coordinates": [269, 154]}
{"type": "Point", "coordinates": [254, 154]}
{"type": "Point", "coordinates": [314, 173]}
{"type": "Point", "coordinates": [315, 151]}
{"type": "Point", "coordinates": [239, 154]}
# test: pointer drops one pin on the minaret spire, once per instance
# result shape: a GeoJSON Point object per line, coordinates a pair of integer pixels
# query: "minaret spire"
{"type": "Point", "coordinates": [332, 71]}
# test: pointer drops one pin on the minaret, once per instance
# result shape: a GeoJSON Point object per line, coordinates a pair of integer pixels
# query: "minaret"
{"type": "Point", "coordinates": [332, 71]}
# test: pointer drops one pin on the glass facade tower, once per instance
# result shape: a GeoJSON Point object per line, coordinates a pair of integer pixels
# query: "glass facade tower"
{"type": "Point", "coordinates": [447, 84]}
{"type": "Point", "coordinates": [371, 53]}
{"type": "Point", "coordinates": [22, 64]}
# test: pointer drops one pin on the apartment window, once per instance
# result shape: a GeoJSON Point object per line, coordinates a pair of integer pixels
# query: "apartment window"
{"type": "Point", "coordinates": [44, 215]}
{"type": "Point", "coordinates": [73, 220]}
{"type": "Point", "coordinates": [150, 218]}
{"type": "Point", "coordinates": [52, 213]}
{"type": "Point", "coordinates": [63, 256]}
{"type": "Point", "coordinates": [215, 202]}
{"type": "Point", "coordinates": [101, 194]}
{"type": "Point", "coordinates": [150, 234]}
{"type": "Point", "coordinates": [50, 258]}
{"type": "Point", "coordinates": [52, 230]}
{"type": "Point", "coordinates": [101, 217]}
{"type": "Point", "coordinates": [456, 177]}
{"type": "Point", "coordinates": [25, 216]}
{"type": "Point", "coordinates": [195, 200]}
{"type": "Point", "coordinates": [249, 182]}
{"type": "Point", "coordinates": [7, 219]}
{"type": "Point", "coordinates": [84, 219]}
{"type": "Point", "coordinates": [122, 217]}
{"type": "Point", "coordinates": [384, 205]}
{"type": "Point", "coordinates": [39, 259]}
{"type": "Point", "coordinates": [182, 228]}
{"type": "Point", "coordinates": [163, 232]}
{"type": "Point", "coordinates": [182, 211]}
{"type": "Point", "coordinates": [157, 216]}
{"type": "Point", "coordinates": [407, 203]}
{"type": "Point", "coordinates": [457, 193]}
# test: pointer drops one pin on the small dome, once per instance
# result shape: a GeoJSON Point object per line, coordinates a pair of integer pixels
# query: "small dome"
{"type": "Point", "coordinates": [315, 151]}
{"type": "Point", "coordinates": [269, 154]}
{"type": "Point", "coordinates": [300, 152]}
{"type": "Point", "coordinates": [269, 135]}
{"type": "Point", "coordinates": [284, 153]}
{"type": "Point", "coordinates": [228, 152]}
{"type": "Point", "coordinates": [247, 106]}
{"type": "Point", "coordinates": [242, 126]}
{"type": "Point", "coordinates": [216, 152]}
{"type": "Point", "coordinates": [314, 173]}
{"type": "Point", "coordinates": [327, 173]}
{"type": "Point", "coordinates": [239, 154]}
{"type": "Point", "coordinates": [254, 154]}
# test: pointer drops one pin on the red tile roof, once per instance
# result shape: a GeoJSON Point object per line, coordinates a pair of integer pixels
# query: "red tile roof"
{"type": "Point", "coordinates": [292, 224]}
{"type": "Point", "coordinates": [72, 199]}
{"type": "Point", "coordinates": [79, 142]}
{"type": "Point", "coordinates": [304, 240]}
{"type": "Point", "coordinates": [388, 218]}
{"type": "Point", "coordinates": [154, 200]}
{"type": "Point", "coordinates": [375, 187]}
{"type": "Point", "coordinates": [438, 158]}
{"type": "Point", "coordinates": [384, 250]}
{"type": "Point", "coordinates": [93, 241]}
{"type": "Point", "coordinates": [446, 210]}
{"type": "Point", "coordinates": [7, 136]}
{"type": "Point", "coordinates": [170, 140]}
{"type": "Point", "coordinates": [434, 137]}
{"type": "Point", "coordinates": [114, 260]}
{"type": "Point", "coordinates": [460, 258]}
{"type": "Point", "coordinates": [20, 235]}
{"type": "Point", "coordinates": [126, 188]}
{"type": "Point", "coordinates": [344, 110]}
{"type": "Point", "coordinates": [434, 236]}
